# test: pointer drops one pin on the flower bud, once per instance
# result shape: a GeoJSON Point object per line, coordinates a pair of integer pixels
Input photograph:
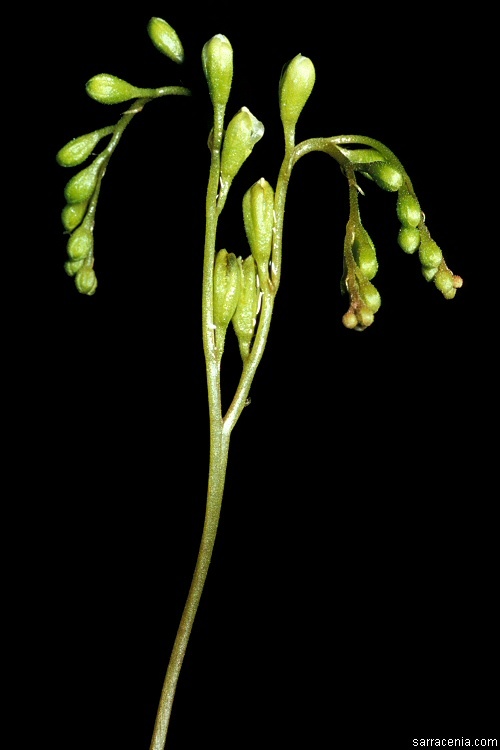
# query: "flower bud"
{"type": "Point", "coordinates": [364, 253]}
{"type": "Point", "coordinates": [217, 61]}
{"type": "Point", "coordinates": [80, 243]}
{"type": "Point", "coordinates": [258, 217]}
{"type": "Point", "coordinates": [443, 281]}
{"type": "Point", "coordinates": [370, 296]}
{"type": "Point", "coordinates": [108, 89]}
{"type": "Point", "coordinates": [227, 285]}
{"type": "Point", "coordinates": [296, 84]}
{"type": "Point", "coordinates": [73, 214]}
{"type": "Point", "coordinates": [76, 151]}
{"type": "Point", "coordinates": [409, 239]}
{"type": "Point", "coordinates": [430, 254]}
{"type": "Point", "coordinates": [165, 39]}
{"type": "Point", "coordinates": [245, 315]}
{"type": "Point", "coordinates": [385, 176]}
{"type": "Point", "coordinates": [86, 281]}
{"type": "Point", "coordinates": [242, 133]}
{"type": "Point", "coordinates": [82, 185]}
{"type": "Point", "coordinates": [429, 273]}
{"type": "Point", "coordinates": [408, 209]}
{"type": "Point", "coordinates": [72, 266]}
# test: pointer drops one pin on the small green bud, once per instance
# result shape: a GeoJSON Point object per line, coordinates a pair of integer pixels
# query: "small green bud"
{"type": "Point", "coordinates": [296, 84]}
{"type": "Point", "coordinates": [242, 133]}
{"type": "Point", "coordinates": [217, 61]}
{"type": "Point", "coordinates": [385, 176]}
{"type": "Point", "coordinates": [408, 209]}
{"type": "Point", "coordinates": [108, 89]}
{"type": "Point", "coordinates": [245, 315]}
{"type": "Point", "coordinates": [362, 155]}
{"type": "Point", "coordinates": [86, 281]}
{"type": "Point", "coordinates": [365, 317]}
{"type": "Point", "coordinates": [165, 39]}
{"type": "Point", "coordinates": [349, 319]}
{"type": "Point", "coordinates": [258, 218]}
{"type": "Point", "coordinates": [409, 239]}
{"type": "Point", "coordinates": [80, 243]}
{"type": "Point", "coordinates": [370, 296]}
{"type": "Point", "coordinates": [430, 254]}
{"type": "Point", "coordinates": [227, 285]}
{"type": "Point", "coordinates": [444, 281]}
{"type": "Point", "coordinates": [72, 266]}
{"type": "Point", "coordinates": [76, 151]}
{"type": "Point", "coordinates": [364, 253]}
{"type": "Point", "coordinates": [429, 273]}
{"type": "Point", "coordinates": [73, 214]}
{"type": "Point", "coordinates": [82, 185]}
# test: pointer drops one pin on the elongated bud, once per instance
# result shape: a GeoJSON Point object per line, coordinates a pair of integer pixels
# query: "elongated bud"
{"type": "Point", "coordinates": [227, 284]}
{"type": "Point", "coordinates": [217, 61]}
{"type": "Point", "coordinates": [370, 296]}
{"type": "Point", "coordinates": [364, 253]}
{"type": "Point", "coordinates": [108, 89]}
{"type": "Point", "coordinates": [72, 266]}
{"type": "Point", "coordinates": [387, 177]}
{"type": "Point", "coordinates": [409, 239]}
{"type": "Point", "coordinates": [85, 280]}
{"type": "Point", "coordinates": [296, 84]}
{"type": "Point", "coordinates": [245, 315]}
{"type": "Point", "coordinates": [242, 133]}
{"type": "Point", "coordinates": [444, 281]}
{"type": "Point", "coordinates": [76, 151]}
{"type": "Point", "coordinates": [408, 209]}
{"type": "Point", "coordinates": [258, 218]}
{"type": "Point", "coordinates": [73, 214]}
{"type": "Point", "coordinates": [165, 39]}
{"type": "Point", "coordinates": [430, 254]}
{"type": "Point", "coordinates": [81, 187]}
{"type": "Point", "coordinates": [80, 244]}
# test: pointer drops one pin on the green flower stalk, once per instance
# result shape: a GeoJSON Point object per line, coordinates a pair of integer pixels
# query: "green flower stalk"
{"type": "Point", "coordinates": [236, 291]}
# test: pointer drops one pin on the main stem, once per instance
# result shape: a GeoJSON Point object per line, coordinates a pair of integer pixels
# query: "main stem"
{"type": "Point", "coordinates": [219, 449]}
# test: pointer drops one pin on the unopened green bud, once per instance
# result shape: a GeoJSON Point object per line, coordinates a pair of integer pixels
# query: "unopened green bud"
{"type": "Point", "coordinates": [165, 39]}
{"type": "Point", "coordinates": [242, 133]}
{"type": "Point", "coordinates": [80, 243]}
{"type": "Point", "coordinates": [387, 177]}
{"type": "Point", "coordinates": [409, 239]}
{"type": "Point", "coordinates": [429, 273]}
{"type": "Point", "coordinates": [73, 214]}
{"type": "Point", "coordinates": [370, 296]}
{"type": "Point", "coordinates": [81, 187]}
{"type": "Point", "coordinates": [408, 209]}
{"type": "Point", "coordinates": [108, 89]}
{"type": "Point", "coordinates": [258, 217]}
{"type": "Point", "coordinates": [349, 319]}
{"type": "Point", "coordinates": [362, 155]}
{"type": "Point", "coordinates": [296, 84]}
{"type": "Point", "coordinates": [217, 61]}
{"type": "Point", "coordinates": [76, 151]}
{"type": "Point", "coordinates": [72, 266]}
{"type": "Point", "coordinates": [364, 253]}
{"type": "Point", "coordinates": [86, 281]}
{"type": "Point", "coordinates": [227, 285]}
{"type": "Point", "coordinates": [430, 254]}
{"type": "Point", "coordinates": [444, 282]}
{"type": "Point", "coordinates": [245, 315]}
{"type": "Point", "coordinates": [365, 317]}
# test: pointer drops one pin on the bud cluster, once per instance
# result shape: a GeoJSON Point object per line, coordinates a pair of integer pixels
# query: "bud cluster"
{"type": "Point", "coordinates": [77, 216]}
{"type": "Point", "coordinates": [360, 266]}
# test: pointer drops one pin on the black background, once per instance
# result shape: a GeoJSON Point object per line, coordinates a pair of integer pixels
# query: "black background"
{"type": "Point", "coordinates": [350, 601]}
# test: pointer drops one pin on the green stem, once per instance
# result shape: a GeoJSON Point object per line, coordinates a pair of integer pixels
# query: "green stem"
{"type": "Point", "coordinates": [219, 449]}
{"type": "Point", "coordinates": [217, 471]}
